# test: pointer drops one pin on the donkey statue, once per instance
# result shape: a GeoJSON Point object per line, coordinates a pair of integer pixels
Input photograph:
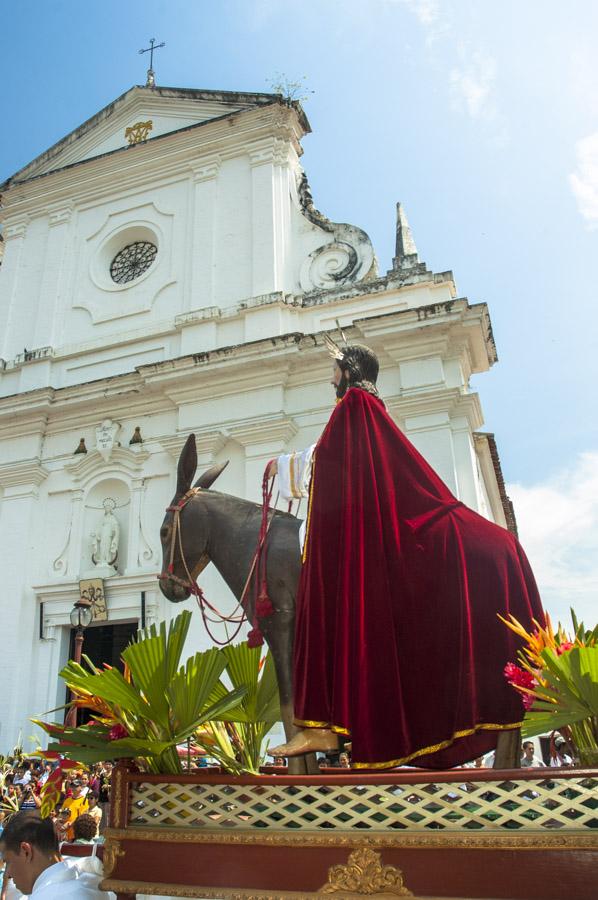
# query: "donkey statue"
{"type": "Point", "coordinates": [203, 526]}
{"type": "Point", "coordinates": [222, 529]}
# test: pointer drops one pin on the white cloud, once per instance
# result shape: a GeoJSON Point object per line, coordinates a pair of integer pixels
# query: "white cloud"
{"type": "Point", "coordinates": [428, 14]}
{"type": "Point", "coordinates": [427, 11]}
{"type": "Point", "coordinates": [472, 85]}
{"type": "Point", "coordinates": [584, 181]}
{"type": "Point", "coordinates": [558, 528]}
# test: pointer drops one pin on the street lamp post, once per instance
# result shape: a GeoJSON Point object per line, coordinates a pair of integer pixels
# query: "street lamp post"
{"type": "Point", "coordinates": [81, 616]}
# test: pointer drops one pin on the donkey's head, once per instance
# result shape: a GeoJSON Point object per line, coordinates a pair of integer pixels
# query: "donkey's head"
{"type": "Point", "coordinates": [185, 531]}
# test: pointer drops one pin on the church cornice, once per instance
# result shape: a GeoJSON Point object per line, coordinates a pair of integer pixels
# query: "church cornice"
{"type": "Point", "coordinates": [22, 472]}
{"type": "Point", "coordinates": [157, 387]}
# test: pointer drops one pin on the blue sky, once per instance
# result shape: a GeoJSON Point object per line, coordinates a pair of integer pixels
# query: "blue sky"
{"type": "Point", "coordinates": [481, 117]}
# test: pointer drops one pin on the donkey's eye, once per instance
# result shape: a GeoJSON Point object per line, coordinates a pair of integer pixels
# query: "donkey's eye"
{"type": "Point", "coordinates": [164, 531]}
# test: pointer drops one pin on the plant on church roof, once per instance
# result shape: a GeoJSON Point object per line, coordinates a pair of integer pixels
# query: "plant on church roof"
{"type": "Point", "coordinates": [145, 712]}
{"type": "Point", "coordinates": [558, 681]}
{"type": "Point", "coordinates": [237, 739]}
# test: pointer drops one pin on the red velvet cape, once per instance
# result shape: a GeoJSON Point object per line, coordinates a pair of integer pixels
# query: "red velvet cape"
{"type": "Point", "coordinates": [397, 639]}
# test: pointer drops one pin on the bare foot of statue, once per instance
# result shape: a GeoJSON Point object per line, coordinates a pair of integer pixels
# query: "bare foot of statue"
{"type": "Point", "coordinates": [309, 740]}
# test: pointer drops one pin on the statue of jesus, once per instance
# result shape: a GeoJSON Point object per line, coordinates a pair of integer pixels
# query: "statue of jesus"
{"type": "Point", "coordinates": [397, 641]}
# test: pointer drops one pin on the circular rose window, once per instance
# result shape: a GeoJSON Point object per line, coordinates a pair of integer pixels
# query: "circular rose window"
{"type": "Point", "coordinates": [132, 261]}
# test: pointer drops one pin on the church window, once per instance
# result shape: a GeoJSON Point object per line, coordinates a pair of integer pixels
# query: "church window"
{"type": "Point", "coordinates": [132, 261]}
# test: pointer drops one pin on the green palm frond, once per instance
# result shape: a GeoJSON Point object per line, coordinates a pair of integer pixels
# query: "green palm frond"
{"type": "Point", "coordinates": [202, 672]}
{"type": "Point", "coordinates": [161, 705]}
{"type": "Point", "coordinates": [153, 661]}
{"type": "Point", "coordinates": [268, 700]}
{"type": "Point", "coordinates": [109, 685]}
{"type": "Point", "coordinates": [569, 696]}
{"type": "Point", "coordinates": [237, 735]}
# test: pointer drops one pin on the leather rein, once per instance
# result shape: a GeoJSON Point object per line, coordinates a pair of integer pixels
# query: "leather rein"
{"type": "Point", "coordinates": [239, 615]}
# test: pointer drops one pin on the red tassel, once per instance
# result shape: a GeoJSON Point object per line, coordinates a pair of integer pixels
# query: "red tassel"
{"type": "Point", "coordinates": [171, 568]}
{"type": "Point", "coordinates": [264, 607]}
{"type": "Point", "coordinates": [255, 638]}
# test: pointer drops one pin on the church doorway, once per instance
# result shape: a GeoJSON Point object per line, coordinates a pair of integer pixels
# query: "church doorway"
{"type": "Point", "coordinates": [103, 644]}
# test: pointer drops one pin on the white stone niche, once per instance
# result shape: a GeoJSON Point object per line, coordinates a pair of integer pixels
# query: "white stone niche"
{"type": "Point", "coordinates": [92, 518]}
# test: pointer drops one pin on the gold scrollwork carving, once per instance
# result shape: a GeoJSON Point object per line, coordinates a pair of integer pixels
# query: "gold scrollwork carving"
{"type": "Point", "coordinates": [138, 132]}
{"type": "Point", "coordinates": [365, 874]}
{"type": "Point", "coordinates": [112, 852]}
{"type": "Point", "coordinates": [117, 796]}
{"type": "Point", "coordinates": [438, 840]}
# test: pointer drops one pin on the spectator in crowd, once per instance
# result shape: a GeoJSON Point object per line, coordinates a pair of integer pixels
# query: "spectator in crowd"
{"type": "Point", "coordinates": [47, 771]}
{"type": "Point", "coordinates": [105, 774]}
{"type": "Point", "coordinates": [93, 809]}
{"type": "Point", "coordinates": [560, 753]}
{"type": "Point", "coordinates": [84, 779]}
{"type": "Point", "coordinates": [528, 759]}
{"type": "Point", "coordinates": [30, 850]}
{"type": "Point", "coordinates": [85, 829]}
{"type": "Point", "coordinates": [76, 804]}
{"type": "Point", "coordinates": [29, 799]}
{"type": "Point", "coordinates": [61, 825]}
{"type": "Point", "coordinates": [23, 773]}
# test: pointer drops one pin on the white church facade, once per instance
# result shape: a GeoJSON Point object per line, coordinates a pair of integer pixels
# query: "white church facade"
{"type": "Point", "coordinates": [165, 271]}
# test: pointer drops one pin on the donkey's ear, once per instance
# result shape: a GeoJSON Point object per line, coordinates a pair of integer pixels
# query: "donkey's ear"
{"type": "Point", "coordinates": [187, 466]}
{"type": "Point", "coordinates": [208, 478]}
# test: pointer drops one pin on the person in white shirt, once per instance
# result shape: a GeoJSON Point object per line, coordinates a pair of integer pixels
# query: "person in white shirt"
{"type": "Point", "coordinates": [22, 775]}
{"type": "Point", "coordinates": [528, 760]}
{"type": "Point", "coordinates": [30, 850]}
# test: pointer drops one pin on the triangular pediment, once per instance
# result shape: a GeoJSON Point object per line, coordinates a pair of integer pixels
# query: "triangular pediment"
{"type": "Point", "coordinates": [168, 109]}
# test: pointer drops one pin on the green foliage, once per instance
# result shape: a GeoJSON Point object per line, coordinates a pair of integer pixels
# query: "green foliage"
{"type": "Point", "coordinates": [8, 804]}
{"type": "Point", "coordinates": [236, 739]}
{"type": "Point", "coordinates": [568, 697]}
{"type": "Point", "coordinates": [159, 706]}
{"type": "Point", "coordinates": [291, 91]}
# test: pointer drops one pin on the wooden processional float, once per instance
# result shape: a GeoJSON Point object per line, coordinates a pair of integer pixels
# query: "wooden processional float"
{"type": "Point", "coordinates": [521, 834]}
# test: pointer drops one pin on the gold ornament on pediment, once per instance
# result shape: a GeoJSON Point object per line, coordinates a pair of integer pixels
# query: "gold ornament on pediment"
{"type": "Point", "coordinates": [365, 874]}
{"type": "Point", "coordinates": [138, 132]}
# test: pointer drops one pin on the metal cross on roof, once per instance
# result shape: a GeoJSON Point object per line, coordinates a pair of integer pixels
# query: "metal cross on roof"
{"type": "Point", "coordinates": [151, 81]}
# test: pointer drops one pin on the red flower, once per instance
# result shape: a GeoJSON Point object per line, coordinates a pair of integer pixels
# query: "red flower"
{"type": "Point", "coordinates": [563, 647]}
{"type": "Point", "coordinates": [519, 677]}
{"type": "Point", "coordinates": [117, 733]}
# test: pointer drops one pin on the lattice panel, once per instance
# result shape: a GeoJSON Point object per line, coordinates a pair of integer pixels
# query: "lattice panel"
{"type": "Point", "coordinates": [566, 804]}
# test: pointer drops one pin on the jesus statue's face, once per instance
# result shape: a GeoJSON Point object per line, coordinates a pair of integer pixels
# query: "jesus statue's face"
{"type": "Point", "coordinates": [339, 381]}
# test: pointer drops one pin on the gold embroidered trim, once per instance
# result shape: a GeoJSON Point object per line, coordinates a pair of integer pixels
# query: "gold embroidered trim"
{"type": "Point", "coordinates": [292, 475]}
{"type": "Point", "coordinates": [484, 726]}
{"type": "Point", "coordinates": [310, 723]}
{"type": "Point", "coordinates": [338, 729]}
{"type": "Point", "coordinates": [309, 507]}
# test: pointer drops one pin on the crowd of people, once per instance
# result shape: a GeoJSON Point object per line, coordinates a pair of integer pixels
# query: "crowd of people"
{"type": "Point", "coordinates": [81, 811]}
{"type": "Point", "coordinates": [79, 815]}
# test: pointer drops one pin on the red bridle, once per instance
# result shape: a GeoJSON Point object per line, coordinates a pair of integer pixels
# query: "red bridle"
{"type": "Point", "coordinates": [176, 509]}
{"type": "Point", "coordinates": [191, 585]}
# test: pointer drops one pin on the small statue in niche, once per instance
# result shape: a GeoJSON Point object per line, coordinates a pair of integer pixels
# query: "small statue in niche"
{"type": "Point", "coordinates": [104, 540]}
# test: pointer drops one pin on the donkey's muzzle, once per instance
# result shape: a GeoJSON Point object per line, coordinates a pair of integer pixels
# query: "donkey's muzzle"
{"type": "Point", "coordinates": [173, 588]}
